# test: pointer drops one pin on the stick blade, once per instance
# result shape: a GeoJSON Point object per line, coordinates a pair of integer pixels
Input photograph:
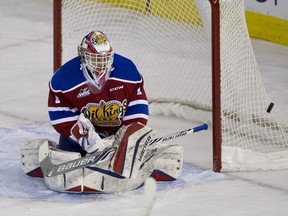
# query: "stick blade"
{"type": "Point", "coordinates": [47, 166]}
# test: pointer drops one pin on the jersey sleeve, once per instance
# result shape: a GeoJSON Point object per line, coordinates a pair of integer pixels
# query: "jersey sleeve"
{"type": "Point", "coordinates": [137, 109]}
{"type": "Point", "coordinates": [63, 115]}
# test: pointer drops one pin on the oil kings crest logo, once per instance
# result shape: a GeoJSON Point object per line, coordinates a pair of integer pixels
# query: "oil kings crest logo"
{"type": "Point", "coordinates": [107, 114]}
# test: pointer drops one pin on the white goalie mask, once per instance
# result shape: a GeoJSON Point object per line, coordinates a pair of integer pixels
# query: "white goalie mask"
{"type": "Point", "coordinates": [96, 55]}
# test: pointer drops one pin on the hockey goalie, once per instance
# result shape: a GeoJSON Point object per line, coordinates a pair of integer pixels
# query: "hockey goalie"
{"type": "Point", "coordinates": [98, 105]}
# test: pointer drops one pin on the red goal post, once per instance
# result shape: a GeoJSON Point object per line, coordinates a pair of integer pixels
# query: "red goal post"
{"type": "Point", "coordinates": [207, 61]}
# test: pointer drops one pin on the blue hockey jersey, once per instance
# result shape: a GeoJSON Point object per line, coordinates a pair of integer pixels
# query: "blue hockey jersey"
{"type": "Point", "coordinates": [122, 101]}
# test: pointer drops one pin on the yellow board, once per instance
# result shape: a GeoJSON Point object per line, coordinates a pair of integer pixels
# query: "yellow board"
{"type": "Point", "coordinates": [183, 11]}
{"type": "Point", "coordinates": [267, 28]}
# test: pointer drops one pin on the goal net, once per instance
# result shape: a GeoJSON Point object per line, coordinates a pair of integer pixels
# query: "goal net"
{"type": "Point", "coordinates": [170, 43]}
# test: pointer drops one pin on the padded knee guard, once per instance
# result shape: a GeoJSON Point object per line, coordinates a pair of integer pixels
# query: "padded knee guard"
{"type": "Point", "coordinates": [29, 156]}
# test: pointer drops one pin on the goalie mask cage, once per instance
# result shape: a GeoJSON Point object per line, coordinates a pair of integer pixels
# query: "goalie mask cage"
{"type": "Point", "coordinates": [197, 61]}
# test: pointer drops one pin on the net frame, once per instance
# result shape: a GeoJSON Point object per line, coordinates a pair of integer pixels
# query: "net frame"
{"type": "Point", "coordinates": [218, 116]}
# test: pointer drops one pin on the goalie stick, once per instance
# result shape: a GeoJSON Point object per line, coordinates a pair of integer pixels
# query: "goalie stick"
{"type": "Point", "coordinates": [149, 196]}
{"type": "Point", "coordinates": [50, 170]}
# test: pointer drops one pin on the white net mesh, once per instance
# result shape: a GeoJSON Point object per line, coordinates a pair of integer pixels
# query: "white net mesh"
{"type": "Point", "coordinates": [252, 137]}
{"type": "Point", "coordinates": [170, 43]}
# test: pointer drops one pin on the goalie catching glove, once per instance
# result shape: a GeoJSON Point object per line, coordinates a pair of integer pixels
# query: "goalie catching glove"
{"type": "Point", "coordinates": [83, 132]}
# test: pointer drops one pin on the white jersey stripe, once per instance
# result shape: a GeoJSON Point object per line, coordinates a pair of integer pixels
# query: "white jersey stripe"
{"type": "Point", "coordinates": [137, 102]}
{"type": "Point", "coordinates": [135, 116]}
{"type": "Point", "coordinates": [68, 90]}
{"type": "Point", "coordinates": [55, 109]}
{"type": "Point", "coordinates": [124, 80]}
